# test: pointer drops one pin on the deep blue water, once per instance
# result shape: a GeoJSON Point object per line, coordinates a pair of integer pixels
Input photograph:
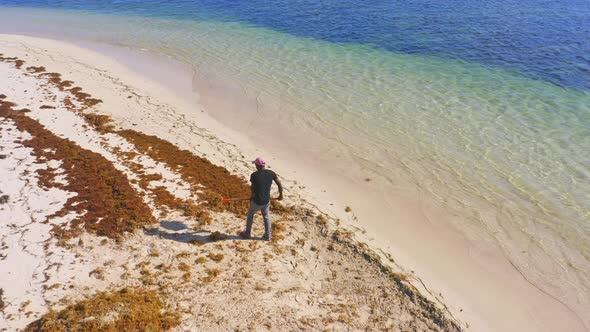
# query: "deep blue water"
{"type": "Point", "coordinates": [548, 40]}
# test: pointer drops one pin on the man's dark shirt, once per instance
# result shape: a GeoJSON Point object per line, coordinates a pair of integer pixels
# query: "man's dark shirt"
{"type": "Point", "coordinates": [261, 181]}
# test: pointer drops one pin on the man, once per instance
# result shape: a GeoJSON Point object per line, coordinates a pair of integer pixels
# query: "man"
{"type": "Point", "coordinates": [260, 198]}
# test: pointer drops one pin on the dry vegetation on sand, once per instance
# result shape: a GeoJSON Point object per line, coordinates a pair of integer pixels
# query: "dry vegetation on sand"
{"type": "Point", "coordinates": [211, 182]}
{"type": "Point", "coordinates": [106, 203]}
{"type": "Point", "coordinates": [125, 310]}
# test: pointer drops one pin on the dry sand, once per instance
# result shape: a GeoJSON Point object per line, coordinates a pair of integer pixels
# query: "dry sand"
{"type": "Point", "coordinates": [312, 276]}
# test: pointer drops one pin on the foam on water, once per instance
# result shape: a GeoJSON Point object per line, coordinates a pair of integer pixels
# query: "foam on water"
{"type": "Point", "coordinates": [510, 154]}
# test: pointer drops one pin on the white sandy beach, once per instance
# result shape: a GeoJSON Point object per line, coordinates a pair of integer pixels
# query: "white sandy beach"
{"type": "Point", "coordinates": [481, 289]}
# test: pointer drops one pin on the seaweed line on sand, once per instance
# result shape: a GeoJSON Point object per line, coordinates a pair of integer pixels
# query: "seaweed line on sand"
{"type": "Point", "coordinates": [105, 203]}
{"type": "Point", "coordinates": [210, 182]}
{"type": "Point", "coordinates": [129, 309]}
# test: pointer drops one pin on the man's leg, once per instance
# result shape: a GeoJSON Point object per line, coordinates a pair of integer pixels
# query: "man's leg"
{"type": "Point", "coordinates": [250, 219]}
{"type": "Point", "coordinates": [267, 227]}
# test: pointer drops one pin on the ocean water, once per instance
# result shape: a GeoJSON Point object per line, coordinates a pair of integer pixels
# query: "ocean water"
{"type": "Point", "coordinates": [482, 107]}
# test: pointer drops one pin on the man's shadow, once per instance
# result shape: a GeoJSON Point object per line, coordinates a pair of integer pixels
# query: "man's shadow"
{"type": "Point", "coordinates": [180, 232]}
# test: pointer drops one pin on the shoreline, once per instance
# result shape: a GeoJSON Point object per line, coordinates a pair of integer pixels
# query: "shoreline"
{"type": "Point", "coordinates": [423, 223]}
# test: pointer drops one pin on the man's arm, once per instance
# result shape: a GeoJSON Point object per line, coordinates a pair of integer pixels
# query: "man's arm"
{"type": "Point", "coordinates": [280, 185]}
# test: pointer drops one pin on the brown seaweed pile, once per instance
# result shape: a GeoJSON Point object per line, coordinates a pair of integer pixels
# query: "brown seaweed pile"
{"type": "Point", "coordinates": [125, 310]}
{"type": "Point", "coordinates": [17, 62]}
{"type": "Point", "coordinates": [211, 182]}
{"type": "Point", "coordinates": [105, 203]}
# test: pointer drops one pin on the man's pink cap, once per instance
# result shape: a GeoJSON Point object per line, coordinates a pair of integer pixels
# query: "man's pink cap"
{"type": "Point", "coordinates": [259, 162]}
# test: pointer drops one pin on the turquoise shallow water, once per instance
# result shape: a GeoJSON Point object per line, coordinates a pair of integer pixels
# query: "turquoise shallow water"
{"type": "Point", "coordinates": [504, 148]}
{"type": "Point", "coordinates": [540, 39]}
